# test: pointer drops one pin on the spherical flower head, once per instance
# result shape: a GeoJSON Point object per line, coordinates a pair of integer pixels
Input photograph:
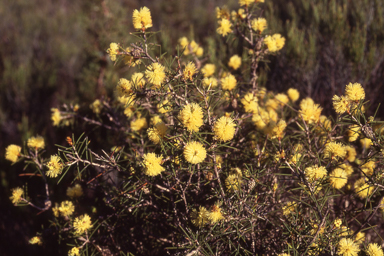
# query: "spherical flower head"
{"type": "Point", "coordinates": [199, 51]}
{"type": "Point", "coordinates": [355, 92]}
{"type": "Point", "coordinates": [75, 191]}
{"type": "Point", "coordinates": [250, 103]}
{"type": "Point", "coordinates": [374, 250]}
{"type": "Point", "coordinates": [55, 210]}
{"type": "Point", "coordinates": [142, 19]}
{"type": "Point", "coordinates": [289, 208]}
{"type": "Point", "coordinates": [12, 153]}
{"type": "Point", "coordinates": [363, 189]}
{"type": "Point", "coordinates": [334, 150]}
{"type": "Point", "coordinates": [341, 104]}
{"type": "Point", "coordinates": [310, 111]}
{"type": "Point", "coordinates": [338, 178]}
{"type": "Point", "coordinates": [54, 166]}
{"type": "Point", "coordinates": [124, 88]}
{"type": "Point", "coordinates": [314, 173]}
{"type": "Point", "coordinates": [183, 42]}
{"type": "Point", "coordinates": [347, 247]}
{"type": "Point", "coordinates": [351, 153]}
{"type": "Point", "coordinates": [66, 208]}
{"type": "Point", "coordinates": [17, 194]}
{"type": "Point", "coordinates": [259, 24]}
{"type": "Point", "coordinates": [224, 27]}
{"type": "Point", "coordinates": [210, 82]}
{"type": "Point", "coordinates": [189, 71]}
{"type": "Point", "coordinates": [293, 94]}
{"type": "Point", "coordinates": [233, 182]}
{"type": "Point", "coordinates": [337, 223]}
{"type": "Point", "coordinates": [36, 142]}
{"type": "Point", "coordinates": [139, 124]}
{"type": "Point", "coordinates": [82, 224]}
{"type": "Point", "coordinates": [191, 116]}
{"type": "Point", "coordinates": [75, 251]}
{"type": "Point", "coordinates": [194, 152]}
{"type": "Point", "coordinates": [96, 106]}
{"type": "Point", "coordinates": [274, 43]}
{"type": "Point", "coordinates": [36, 240]}
{"type": "Point", "coordinates": [347, 168]}
{"type": "Point", "coordinates": [353, 132]}
{"type": "Point", "coordinates": [157, 133]}
{"type": "Point", "coordinates": [366, 143]}
{"type": "Point", "coordinates": [152, 164]}
{"type": "Point", "coordinates": [281, 99]}
{"type": "Point", "coordinates": [278, 129]}
{"type": "Point", "coordinates": [228, 82]}
{"type": "Point", "coordinates": [201, 217]}
{"type": "Point", "coordinates": [245, 2]}
{"type": "Point", "coordinates": [224, 129]}
{"type": "Point", "coordinates": [137, 80]}
{"type": "Point", "coordinates": [215, 214]}
{"type": "Point", "coordinates": [56, 116]}
{"type": "Point", "coordinates": [155, 74]}
{"type": "Point", "coordinates": [368, 168]}
{"type": "Point", "coordinates": [208, 70]}
{"type": "Point", "coordinates": [113, 50]}
{"type": "Point", "coordinates": [359, 238]}
{"type": "Point", "coordinates": [234, 62]}
{"type": "Point", "coordinates": [222, 13]}
{"type": "Point", "coordinates": [238, 15]}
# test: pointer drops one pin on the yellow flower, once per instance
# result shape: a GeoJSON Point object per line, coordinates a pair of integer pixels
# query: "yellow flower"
{"type": "Point", "coordinates": [310, 111]}
{"type": "Point", "coordinates": [234, 62]}
{"type": "Point", "coordinates": [347, 247]}
{"type": "Point", "coordinates": [164, 107]}
{"type": "Point", "coordinates": [157, 133]}
{"type": "Point", "coordinates": [55, 210]}
{"type": "Point", "coordinates": [75, 191]}
{"type": "Point", "coordinates": [66, 208]}
{"type": "Point", "coordinates": [137, 79]}
{"type": "Point", "coordinates": [152, 164]}
{"type": "Point", "coordinates": [189, 71]}
{"type": "Point", "coordinates": [368, 167]}
{"type": "Point", "coordinates": [124, 88]}
{"type": "Point", "coordinates": [129, 59]}
{"type": "Point", "coordinates": [341, 104]}
{"type": "Point", "coordinates": [283, 254]}
{"type": "Point", "coordinates": [142, 19]}
{"type": "Point", "coordinates": [224, 28]}
{"type": "Point", "coordinates": [215, 214]}
{"type": "Point", "coordinates": [289, 208]}
{"type": "Point", "coordinates": [96, 107]}
{"type": "Point", "coordinates": [374, 250]}
{"type": "Point", "coordinates": [281, 99]}
{"type": "Point", "coordinates": [239, 15]}
{"type": "Point", "coordinates": [56, 116]}
{"type": "Point", "coordinates": [233, 182]}
{"type": "Point", "coordinates": [54, 166]}
{"type": "Point", "coordinates": [259, 24]}
{"type": "Point", "coordinates": [363, 189]}
{"type": "Point", "coordinates": [17, 194]}
{"type": "Point", "coordinates": [315, 172]}
{"type": "Point", "coordinates": [155, 74]}
{"type": "Point", "coordinates": [245, 2]}
{"type": "Point", "coordinates": [293, 94]}
{"type": "Point", "coordinates": [353, 132]}
{"type": "Point", "coordinates": [347, 168]}
{"type": "Point", "coordinates": [12, 153]}
{"type": "Point", "coordinates": [138, 124]}
{"type": "Point", "coordinates": [277, 130]}
{"type": "Point", "coordinates": [224, 128]}
{"type": "Point", "coordinates": [208, 70]}
{"type": "Point", "coordinates": [275, 42]}
{"type": "Point", "coordinates": [360, 238]}
{"type": "Point", "coordinates": [194, 152]}
{"type": "Point", "coordinates": [36, 142]}
{"type": "Point", "coordinates": [334, 150]}
{"type": "Point", "coordinates": [210, 82]}
{"type": "Point", "coordinates": [250, 102]}
{"type": "Point", "coordinates": [184, 45]}
{"type": "Point", "coordinates": [201, 217]}
{"type": "Point", "coordinates": [191, 116]}
{"type": "Point", "coordinates": [36, 240]}
{"type": "Point", "coordinates": [337, 223]}
{"type": "Point", "coordinates": [366, 143]}
{"type": "Point", "coordinates": [354, 92]}
{"type": "Point", "coordinates": [82, 224]}
{"type": "Point", "coordinates": [113, 50]}
{"type": "Point", "coordinates": [228, 82]}
{"type": "Point", "coordinates": [338, 178]}
{"type": "Point", "coordinates": [199, 52]}
{"type": "Point", "coordinates": [156, 119]}
{"type": "Point", "coordinates": [222, 13]}
{"type": "Point", "coordinates": [75, 251]}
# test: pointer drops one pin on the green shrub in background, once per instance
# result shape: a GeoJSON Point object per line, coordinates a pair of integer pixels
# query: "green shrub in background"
{"type": "Point", "coordinates": [191, 155]}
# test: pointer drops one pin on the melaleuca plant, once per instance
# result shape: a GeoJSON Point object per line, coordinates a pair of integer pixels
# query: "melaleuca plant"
{"type": "Point", "coordinates": [207, 162]}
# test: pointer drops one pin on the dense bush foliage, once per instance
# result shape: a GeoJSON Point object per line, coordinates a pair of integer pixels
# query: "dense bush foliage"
{"type": "Point", "coordinates": [192, 152]}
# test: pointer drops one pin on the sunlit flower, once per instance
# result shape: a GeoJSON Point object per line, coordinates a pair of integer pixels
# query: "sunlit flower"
{"type": "Point", "coordinates": [245, 2]}
{"type": "Point", "coordinates": [210, 82]}
{"type": "Point", "coordinates": [139, 123]}
{"type": "Point", "coordinates": [259, 24]}
{"type": "Point", "coordinates": [36, 240]}
{"type": "Point", "coordinates": [355, 92]}
{"type": "Point", "coordinates": [215, 214]}
{"type": "Point", "coordinates": [366, 143]}
{"type": "Point", "coordinates": [338, 178]}
{"type": "Point", "coordinates": [233, 182]}
{"type": "Point", "coordinates": [164, 107]}
{"type": "Point", "coordinates": [66, 208]}
{"type": "Point", "coordinates": [152, 164]}
{"type": "Point", "coordinates": [347, 247]}
{"type": "Point", "coordinates": [374, 250]}
{"type": "Point", "coordinates": [36, 142]}
{"type": "Point", "coordinates": [281, 99]}
{"type": "Point", "coordinates": [228, 82]}
{"type": "Point", "coordinates": [250, 102]}
{"type": "Point", "coordinates": [75, 251]}
{"type": "Point", "coordinates": [334, 150]}
{"type": "Point", "coordinates": [363, 189]}
{"type": "Point", "coordinates": [55, 210]}
{"type": "Point", "coordinates": [194, 152]}
{"type": "Point", "coordinates": [278, 129]}
{"type": "Point", "coordinates": [359, 238]}
{"type": "Point", "coordinates": [201, 217]}
{"type": "Point", "coordinates": [124, 88]}
{"type": "Point", "coordinates": [12, 153]}
{"type": "Point", "coordinates": [191, 116]}
{"type": "Point", "coordinates": [353, 132]}
{"type": "Point", "coordinates": [368, 167]}
{"type": "Point", "coordinates": [293, 94]}
{"type": "Point", "coordinates": [208, 70]}
{"type": "Point", "coordinates": [224, 128]}
{"type": "Point", "coordinates": [142, 19]}
{"type": "Point", "coordinates": [113, 50]}
{"type": "Point", "coordinates": [275, 42]}
{"type": "Point", "coordinates": [56, 116]}
{"type": "Point", "coordinates": [54, 166]}
{"type": "Point", "coordinates": [238, 15]}
{"type": "Point", "coordinates": [17, 194]}
{"type": "Point", "coordinates": [137, 79]}
{"type": "Point", "coordinates": [155, 74]}
{"type": "Point", "coordinates": [82, 224]}
{"type": "Point", "coordinates": [75, 191]}
{"type": "Point", "coordinates": [157, 133]}
{"type": "Point", "coordinates": [289, 208]}
{"type": "Point", "coordinates": [337, 223]}
{"type": "Point", "coordinates": [222, 13]}
{"type": "Point", "coordinates": [315, 172]}
{"type": "Point", "coordinates": [234, 62]}
{"type": "Point", "coordinates": [341, 104]}
{"type": "Point", "coordinates": [189, 71]}
{"type": "Point", "coordinates": [224, 27]}
{"type": "Point", "coordinates": [347, 168]}
{"type": "Point", "coordinates": [310, 111]}
{"type": "Point", "coordinates": [96, 106]}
